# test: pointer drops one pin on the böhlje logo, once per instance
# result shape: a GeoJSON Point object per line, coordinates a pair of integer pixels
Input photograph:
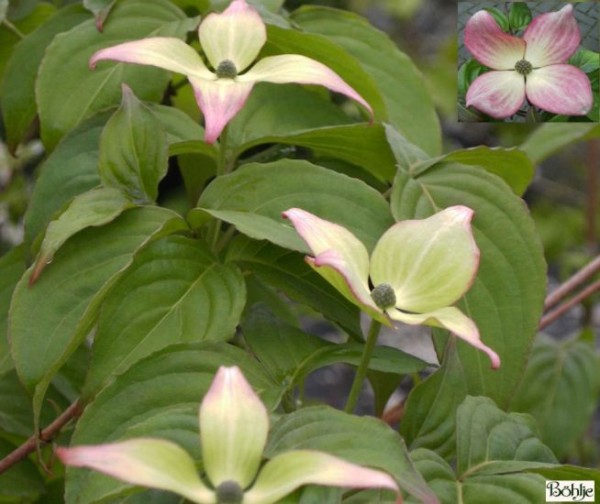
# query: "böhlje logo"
{"type": "Point", "coordinates": [570, 491]}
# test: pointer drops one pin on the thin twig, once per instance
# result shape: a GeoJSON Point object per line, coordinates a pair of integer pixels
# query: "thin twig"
{"type": "Point", "coordinates": [593, 186]}
{"type": "Point", "coordinates": [567, 305]}
{"type": "Point", "coordinates": [572, 283]}
{"type": "Point", "coordinates": [45, 436]}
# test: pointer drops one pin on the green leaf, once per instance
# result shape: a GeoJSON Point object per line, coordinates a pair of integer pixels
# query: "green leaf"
{"type": "Point", "coordinates": [66, 298]}
{"type": "Point", "coordinates": [157, 397]}
{"type": "Point", "coordinates": [133, 150]}
{"type": "Point", "coordinates": [84, 92]}
{"type": "Point", "coordinates": [485, 434]}
{"type": "Point", "coordinates": [467, 73]}
{"type": "Point", "coordinates": [93, 208]}
{"type": "Point", "coordinates": [506, 298]}
{"type": "Point", "coordinates": [561, 378]}
{"type": "Point", "coordinates": [584, 59]}
{"type": "Point", "coordinates": [549, 138]}
{"type": "Point", "coordinates": [101, 9]}
{"type": "Point", "coordinates": [287, 271]}
{"type": "Point", "coordinates": [400, 83]}
{"type": "Point", "coordinates": [316, 46]}
{"type": "Point", "coordinates": [17, 98]}
{"type": "Point", "coordinates": [495, 451]}
{"type": "Point", "coordinates": [429, 414]}
{"type": "Point", "coordinates": [359, 144]}
{"type": "Point", "coordinates": [519, 15]}
{"type": "Point", "coordinates": [361, 440]}
{"type": "Point", "coordinates": [72, 166]}
{"type": "Point", "coordinates": [174, 292]}
{"type": "Point", "coordinates": [280, 110]}
{"type": "Point", "coordinates": [253, 198]}
{"type": "Point", "coordinates": [500, 17]}
{"type": "Point", "coordinates": [12, 267]}
{"type": "Point", "coordinates": [511, 165]}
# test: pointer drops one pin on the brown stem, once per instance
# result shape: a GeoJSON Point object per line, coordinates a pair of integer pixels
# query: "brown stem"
{"type": "Point", "coordinates": [567, 305]}
{"type": "Point", "coordinates": [45, 436]}
{"type": "Point", "coordinates": [572, 283]}
{"type": "Point", "coordinates": [593, 187]}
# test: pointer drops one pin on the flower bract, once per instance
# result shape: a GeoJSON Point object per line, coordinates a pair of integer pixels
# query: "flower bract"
{"type": "Point", "coordinates": [416, 272]}
{"type": "Point", "coordinates": [234, 425]}
{"type": "Point", "coordinates": [231, 42]}
{"type": "Point", "coordinates": [533, 67]}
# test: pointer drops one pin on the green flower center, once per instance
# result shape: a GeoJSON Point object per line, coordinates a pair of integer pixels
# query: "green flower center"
{"type": "Point", "coordinates": [523, 67]}
{"type": "Point", "coordinates": [384, 296]}
{"type": "Point", "coordinates": [229, 492]}
{"type": "Point", "coordinates": [226, 70]}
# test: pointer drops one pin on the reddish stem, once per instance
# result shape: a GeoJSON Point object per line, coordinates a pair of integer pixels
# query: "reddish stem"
{"type": "Point", "coordinates": [45, 436]}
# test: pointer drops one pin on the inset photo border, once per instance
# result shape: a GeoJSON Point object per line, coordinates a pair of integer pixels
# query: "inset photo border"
{"type": "Point", "coordinates": [528, 62]}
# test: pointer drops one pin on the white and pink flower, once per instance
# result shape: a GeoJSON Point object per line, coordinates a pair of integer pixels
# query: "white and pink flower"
{"type": "Point", "coordinates": [234, 424]}
{"type": "Point", "coordinates": [533, 67]}
{"type": "Point", "coordinates": [416, 272]}
{"type": "Point", "coordinates": [231, 42]}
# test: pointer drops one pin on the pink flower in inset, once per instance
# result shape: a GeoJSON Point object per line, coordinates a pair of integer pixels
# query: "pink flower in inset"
{"type": "Point", "coordinates": [231, 42]}
{"type": "Point", "coordinates": [234, 425]}
{"type": "Point", "coordinates": [533, 67]}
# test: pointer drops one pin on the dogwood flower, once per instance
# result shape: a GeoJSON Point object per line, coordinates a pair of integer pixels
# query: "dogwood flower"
{"type": "Point", "coordinates": [234, 425]}
{"type": "Point", "coordinates": [418, 269]}
{"type": "Point", "coordinates": [231, 42]}
{"type": "Point", "coordinates": [533, 67]}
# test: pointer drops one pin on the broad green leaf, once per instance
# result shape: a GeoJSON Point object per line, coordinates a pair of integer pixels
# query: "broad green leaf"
{"type": "Point", "coordinates": [519, 15]}
{"type": "Point", "coordinates": [505, 300]}
{"type": "Point", "coordinates": [328, 52]}
{"type": "Point", "coordinates": [84, 92]}
{"type": "Point", "coordinates": [72, 166]}
{"type": "Point", "coordinates": [18, 86]}
{"type": "Point", "coordinates": [133, 150]}
{"type": "Point", "coordinates": [495, 451]}
{"type": "Point", "coordinates": [584, 59]}
{"type": "Point", "coordinates": [253, 198]}
{"type": "Point", "coordinates": [561, 378]}
{"type": "Point", "coordinates": [101, 9]}
{"type": "Point", "coordinates": [23, 483]}
{"type": "Point", "coordinates": [510, 164]}
{"type": "Point", "coordinates": [429, 415]}
{"type": "Point", "coordinates": [66, 298]}
{"type": "Point", "coordinates": [15, 29]}
{"type": "Point", "coordinates": [290, 353]}
{"type": "Point", "coordinates": [568, 472]}
{"type": "Point", "coordinates": [12, 267]}
{"type": "Point", "coordinates": [93, 208]}
{"type": "Point", "coordinates": [360, 144]}
{"type": "Point", "coordinates": [287, 271]}
{"type": "Point", "coordinates": [157, 397]}
{"type": "Point", "coordinates": [500, 17]}
{"type": "Point", "coordinates": [280, 110]}
{"type": "Point", "coordinates": [400, 83]}
{"type": "Point", "coordinates": [174, 292]}
{"type": "Point", "coordinates": [549, 138]}
{"type": "Point", "coordinates": [486, 434]}
{"type": "Point", "coordinates": [362, 440]}
{"type": "Point", "coordinates": [467, 73]}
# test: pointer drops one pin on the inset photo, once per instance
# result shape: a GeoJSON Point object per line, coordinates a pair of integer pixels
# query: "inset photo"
{"type": "Point", "coordinates": [528, 62]}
